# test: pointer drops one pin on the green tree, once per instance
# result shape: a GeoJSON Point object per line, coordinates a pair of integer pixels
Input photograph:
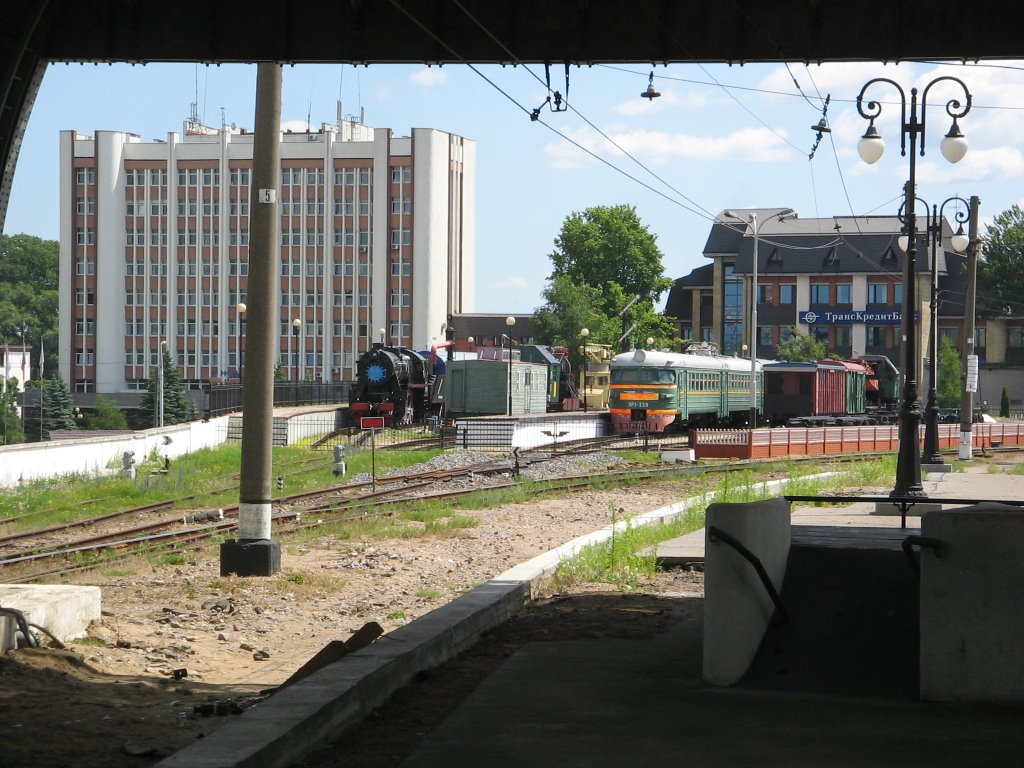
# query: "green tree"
{"type": "Point", "coordinates": [800, 347]}
{"type": "Point", "coordinates": [176, 408]}
{"type": "Point", "coordinates": [948, 383]}
{"type": "Point", "coordinates": [570, 307]}
{"type": "Point", "coordinates": [279, 373]}
{"type": "Point", "coordinates": [10, 421]}
{"type": "Point", "coordinates": [608, 249]}
{"type": "Point", "coordinates": [57, 412]}
{"type": "Point", "coordinates": [1001, 273]}
{"type": "Point", "coordinates": [1004, 404]}
{"type": "Point", "coordinates": [106, 415]}
{"type": "Point", "coordinates": [28, 293]}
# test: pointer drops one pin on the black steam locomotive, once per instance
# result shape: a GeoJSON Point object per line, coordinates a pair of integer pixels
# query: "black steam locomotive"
{"type": "Point", "coordinates": [398, 384]}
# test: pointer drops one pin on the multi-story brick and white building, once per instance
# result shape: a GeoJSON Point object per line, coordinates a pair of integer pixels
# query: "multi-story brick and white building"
{"type": "Point", "coordinates": [376, 237]}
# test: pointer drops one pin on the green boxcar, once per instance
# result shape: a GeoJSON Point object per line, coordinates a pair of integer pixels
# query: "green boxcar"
{"type": "Point", "coordinates": [480, 388]}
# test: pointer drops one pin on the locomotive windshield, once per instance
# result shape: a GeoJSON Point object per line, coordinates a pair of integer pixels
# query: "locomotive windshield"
{"type": "Point", "coordinates": [642, 376]}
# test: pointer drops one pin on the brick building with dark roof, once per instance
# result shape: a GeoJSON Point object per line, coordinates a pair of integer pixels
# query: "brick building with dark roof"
{"type": "Point", "coordinates": [841, 280]}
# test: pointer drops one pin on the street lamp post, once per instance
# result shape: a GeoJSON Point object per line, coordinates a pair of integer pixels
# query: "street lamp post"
{"type": "Point", "coordinates": [240, 312]}
{"type": "Point", "coordinates": [509, 322]}
{"type": "Point", "coordinates": [753, 320]}
{"type": "Point", "coordinates": [870, 148]}
{"type": "Point", "coordinates": [970, 383]}
{"type": "Point", "coordinates": [932, 452]}
{"type": "Point", "coordinates": [160, 383]}
{"type": "Point", "coordinates": [296, 325]}
{"type": "Point", "coordinates": [586, 366]}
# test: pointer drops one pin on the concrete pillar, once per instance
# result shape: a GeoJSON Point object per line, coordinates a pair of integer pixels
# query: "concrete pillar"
{"type": "Point", "coordinates": [972, 592]}
{"type": "Point", "coordinates": [737, 608]}
{"type": "Point", "coordinates": [255, 553]}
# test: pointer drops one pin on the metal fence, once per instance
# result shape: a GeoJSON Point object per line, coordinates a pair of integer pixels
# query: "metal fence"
{"type": "Point", "coordinates": [225, 398]}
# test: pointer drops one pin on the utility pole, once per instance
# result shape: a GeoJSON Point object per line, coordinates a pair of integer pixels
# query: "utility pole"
{"type": "Point", "coordinates": [255, 553]}
{"type": "Point", "coordinates": [967, 397]}
{"type": "Point", "coordinates": [624, 340]}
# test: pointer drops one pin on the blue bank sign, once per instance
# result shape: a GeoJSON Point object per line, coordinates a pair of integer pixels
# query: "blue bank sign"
{"type": "Point", "coordinates": [892, 317]}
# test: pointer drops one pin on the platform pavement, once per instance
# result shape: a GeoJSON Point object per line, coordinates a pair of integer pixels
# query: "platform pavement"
{"type": "Point", "coordinates": [613, 702]}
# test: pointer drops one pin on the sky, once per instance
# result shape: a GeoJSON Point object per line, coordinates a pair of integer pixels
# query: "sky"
{"type": "Point", "coordinates": [717, 138]}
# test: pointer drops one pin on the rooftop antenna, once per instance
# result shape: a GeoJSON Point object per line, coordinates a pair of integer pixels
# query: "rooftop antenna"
{"type": "Point", "coordinates": [309, 112]}
{"type": "Point", "coordinates": [223, 119]}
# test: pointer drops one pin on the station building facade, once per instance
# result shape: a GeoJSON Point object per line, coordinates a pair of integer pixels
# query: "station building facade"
{"type": "Point", "coordinates": [376, 242]}
{"type": "Point", "coordinates": [840, 280]}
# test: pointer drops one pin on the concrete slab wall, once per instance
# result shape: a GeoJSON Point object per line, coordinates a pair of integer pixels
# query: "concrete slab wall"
{"type": "Point", "coordinates": [972, 596]}
{"type": "Point", "coordinates": [737, 608]}
{"type": "Point", "coordinates": [97, 456]}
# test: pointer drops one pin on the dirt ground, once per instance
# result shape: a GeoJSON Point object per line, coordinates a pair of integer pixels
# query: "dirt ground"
{"type": "Point", "coordinates": [180, 649]}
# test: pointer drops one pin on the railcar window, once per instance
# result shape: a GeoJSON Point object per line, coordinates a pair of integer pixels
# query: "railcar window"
{"type": "Point", "coordinates": [643, 376]}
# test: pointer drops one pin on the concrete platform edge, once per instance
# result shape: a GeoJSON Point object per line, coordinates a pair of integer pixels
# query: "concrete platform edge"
{"type": "Point", "coordinates": [304, 716]}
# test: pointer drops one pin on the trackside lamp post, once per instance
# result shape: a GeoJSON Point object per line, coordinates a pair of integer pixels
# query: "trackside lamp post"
{"type": "Point", "coordinates": [870, 147]}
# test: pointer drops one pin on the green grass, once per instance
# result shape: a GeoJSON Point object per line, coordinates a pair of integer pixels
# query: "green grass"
{"type": "Point", "coordinates": [626, 560]}
{"type": "Point", "coordinates": [203, 479]}
{"type": "Point", "coordinates": [1018, 469]}
{"type": "Point", "coordinates": [430, 594]}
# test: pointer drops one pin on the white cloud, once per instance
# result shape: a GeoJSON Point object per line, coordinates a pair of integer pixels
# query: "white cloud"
{"type": "Point", "coordinates": [657, 147]}
{"type": "Point", "coordinates": [294, 125]}
{"type": "Point", "coordinates": [510, 282]}
{"type": "Point", "coordinates": [429, 77]}
{"type": "Point", "coordinates": [980, 165]}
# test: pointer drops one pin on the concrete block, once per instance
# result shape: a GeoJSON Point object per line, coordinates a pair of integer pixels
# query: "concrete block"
{"type": "Point", "coordinates": [675, 455]}
{"type": "Point", "coordinates": [737, 608]}
{"type": "Point", "coordinates": [972, 593]}
{"type": "Point", "coordinates": [63, 609]}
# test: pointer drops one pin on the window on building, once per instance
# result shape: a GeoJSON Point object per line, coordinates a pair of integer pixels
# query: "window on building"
{"type": "Point", "coordinates": [764, 294]}
{"type": "Point", "coordinates": [786, 332]}
{"type": "Point", "coordinates": [878, 293]}
{"type": "Point", "coordinates": [875, 335]}
{"type": "Point", "coordinates": [1015, 336]}
{"type": "Point", "coordinates": [401, 268]}
{"type": "Point", "coordinates": [401, 205]}
{"type": "Point", "coordinates": [950, 332]}
{"type": "Point", "coordinates": [707, 334]}
{"type": "Point", "coordinates": [819, 293]}
{"type": "Point", "coordinates": [85, 236]}
{"type": "Point", "coordinates": [86, 205]}
{"type": "Point", "coordinates": [84, 298]}
{"type": "Point", "coordinates": [239, 177]}
{"type": "Point", "coordinates": [764, 336]}
{"type": "Point", "coordinates": [843, 336]}
{"type": "Point", "coordinates": [820, 332]}
{"type": "Point", "coordinates": [401, 237]}
{"type": "Point", "coordinates": [401, 174]}
{"type": "Point", "coordinates": [86, 267]}
{"type": "Point", "coordinates": [85, 175]}
{"type": "Point", "coordinates": [211, 177]}
{"type": "Point", "coordinates": [398, 330]}
{"type": "Point", "coordinates": [314, 207]}
{"type": "Point", "coordinates": [400, 298]}
{"type": "Point", "coordinates": [980, 337]}
{"type": "Point", "coordinates": [787, 293]}
{"type": "Point", "coordinates": [844, 293]}
{"type": "Point", "coordinates": [897, 294]}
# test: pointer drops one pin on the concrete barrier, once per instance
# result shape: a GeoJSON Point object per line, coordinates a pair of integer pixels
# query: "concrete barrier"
{"type": "Point", "coordinates": [64, 610]}
{"type": "Point", "coordinates": [972, 592]}
{"type": "Point", "coordinates": [737, 608]}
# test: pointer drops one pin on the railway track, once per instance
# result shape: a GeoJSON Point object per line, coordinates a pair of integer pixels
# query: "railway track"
{"type": "Point", "coordinates": [32, 555]}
